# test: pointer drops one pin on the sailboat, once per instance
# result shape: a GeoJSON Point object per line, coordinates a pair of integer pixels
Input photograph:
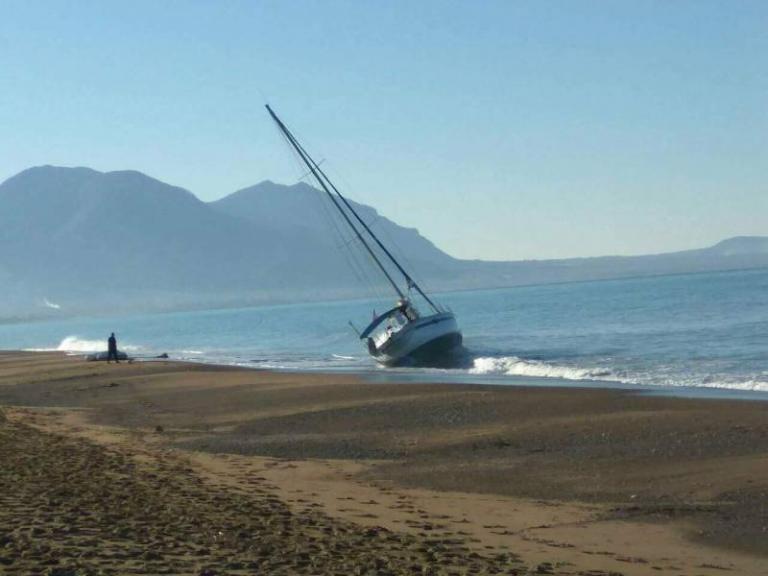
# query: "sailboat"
{"type": "Point", "coordinates": [403, 335]}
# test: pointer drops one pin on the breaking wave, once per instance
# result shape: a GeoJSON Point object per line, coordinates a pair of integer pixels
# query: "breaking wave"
{"type": "Point", "coordinates": [48, 304]}
{"type": "Point", "coordinates": [75, 344]}
{"type": "Point", "coordinates": [751, 385]}
{"type": "Point", "coordinates": [515, 366]}
{"type": "Point", "coordinates": [727, 383]}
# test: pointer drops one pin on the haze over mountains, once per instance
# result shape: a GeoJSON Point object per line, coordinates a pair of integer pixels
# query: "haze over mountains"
{"type": "Point", "coordinates": [74, 240]}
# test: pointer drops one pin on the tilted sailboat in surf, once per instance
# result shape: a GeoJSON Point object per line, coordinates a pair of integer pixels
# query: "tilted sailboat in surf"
{"type": "Point", "coordinates": [403, 334]}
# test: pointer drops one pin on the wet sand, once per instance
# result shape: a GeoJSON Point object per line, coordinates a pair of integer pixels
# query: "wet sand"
{"type": "Point", "coordinates": [162, 467]}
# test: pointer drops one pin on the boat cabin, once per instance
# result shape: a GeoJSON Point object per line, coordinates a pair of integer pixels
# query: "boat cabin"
{"type": "Point", "coordinates": [386, 325]}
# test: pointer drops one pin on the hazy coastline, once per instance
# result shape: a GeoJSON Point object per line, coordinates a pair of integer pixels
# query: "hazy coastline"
{"type": "Point", "coordinates": [164, 243]}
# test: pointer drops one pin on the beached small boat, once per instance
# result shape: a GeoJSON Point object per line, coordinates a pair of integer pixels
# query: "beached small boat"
{"type": "Point", "coordinates": [402, 335]}
{"type": "Point", "coordinates": [103, 356]}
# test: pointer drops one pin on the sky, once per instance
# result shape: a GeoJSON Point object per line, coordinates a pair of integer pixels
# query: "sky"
{"type": "Point", "coordinates": [501, 130]}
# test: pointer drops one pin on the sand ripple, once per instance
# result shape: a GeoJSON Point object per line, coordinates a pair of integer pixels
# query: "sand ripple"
{"type": "Point", "coordinates": [70, 507]}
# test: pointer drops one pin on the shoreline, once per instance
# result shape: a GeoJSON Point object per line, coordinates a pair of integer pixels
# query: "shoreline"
{"type": "Point", "coordinates": [571, 478]}
{"type": "Point", "coordinates": [698, 392]}
{"type": "Point", "coordinates": [448, 376]}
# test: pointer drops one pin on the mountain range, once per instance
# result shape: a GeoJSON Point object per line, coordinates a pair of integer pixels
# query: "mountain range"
{"type": "Point", "coordinates": [75, 240]}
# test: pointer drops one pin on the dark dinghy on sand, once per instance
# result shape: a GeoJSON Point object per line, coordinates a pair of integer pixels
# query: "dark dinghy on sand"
{"type": "Point", "coordinates": [104, 356]}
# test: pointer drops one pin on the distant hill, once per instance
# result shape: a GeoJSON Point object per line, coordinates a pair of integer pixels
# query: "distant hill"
{"type": "Point", "coordinates": [90, 241]}
{"type": "Point", "coordinates": [302, 207]}
{"type": "Point", "coordinates": [741, 245]}
{"type": "Point", "coordinates": [75, 240]}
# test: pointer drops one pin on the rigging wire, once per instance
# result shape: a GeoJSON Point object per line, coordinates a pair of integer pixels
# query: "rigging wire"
{"type": "Point", "coordinates": [378, 222]}
{"type": "Point", "coordinates": [374, 222]}
{"type": "Point", "coordinates": [410, 281]}
{"type": "Point", "coordinates": [357, 251]}
{"type": "Point", "coordinates": [413, 270]}
{"type": "Point", "coordinates": [350, 246]}
{"type": "Point", "coordinates": [352, 251]}
{"type": "Point", "coordinates": [327, 185]}
{"type": "Point", "coordinates": [343, 244]}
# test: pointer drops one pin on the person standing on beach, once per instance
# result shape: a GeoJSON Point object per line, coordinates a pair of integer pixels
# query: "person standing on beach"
{"type": "Point", "coordinates": [112, 349]}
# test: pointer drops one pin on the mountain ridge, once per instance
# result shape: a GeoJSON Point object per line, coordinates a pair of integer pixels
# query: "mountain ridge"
{"type": "Point", "coordinates": [122, 241]}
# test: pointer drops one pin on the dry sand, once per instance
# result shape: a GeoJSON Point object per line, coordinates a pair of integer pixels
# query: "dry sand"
{"type": "Point", "coordinates": [152, 468]}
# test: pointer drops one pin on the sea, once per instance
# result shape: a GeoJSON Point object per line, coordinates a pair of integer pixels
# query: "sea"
{"type": "Point", "coordinates": [701, 334]}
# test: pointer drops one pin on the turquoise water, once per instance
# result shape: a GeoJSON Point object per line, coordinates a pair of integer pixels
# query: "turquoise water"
{"type": "Point", "coordinates": [704, 330]}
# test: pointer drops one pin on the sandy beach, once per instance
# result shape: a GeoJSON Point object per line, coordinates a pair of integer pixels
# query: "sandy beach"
{"type": "Point", "coordinates": [172, 468]}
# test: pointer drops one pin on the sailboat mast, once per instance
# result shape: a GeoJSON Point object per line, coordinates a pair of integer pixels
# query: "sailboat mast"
{"type": "Point", "coordinates": [317, 171]}
{"type": "Point", "coordinates": [314, 169]}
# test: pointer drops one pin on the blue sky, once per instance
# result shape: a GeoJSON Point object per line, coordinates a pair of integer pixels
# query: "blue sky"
{"type": "Point", "coordinates": [501, 130]}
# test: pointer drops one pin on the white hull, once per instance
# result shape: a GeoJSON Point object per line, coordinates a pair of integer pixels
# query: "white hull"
{"type": "Point", "coordinates": [428, 338]}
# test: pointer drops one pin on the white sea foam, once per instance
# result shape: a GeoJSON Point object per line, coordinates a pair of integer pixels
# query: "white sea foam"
{"type": "Point", "coordinates": [515, 366]}
{"type": "Point", "coordinates": [76, 344]}
{"type": "Point", "coordinates": [748, 385]}
{"type": "Point", "coordinates": [48, 304]}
